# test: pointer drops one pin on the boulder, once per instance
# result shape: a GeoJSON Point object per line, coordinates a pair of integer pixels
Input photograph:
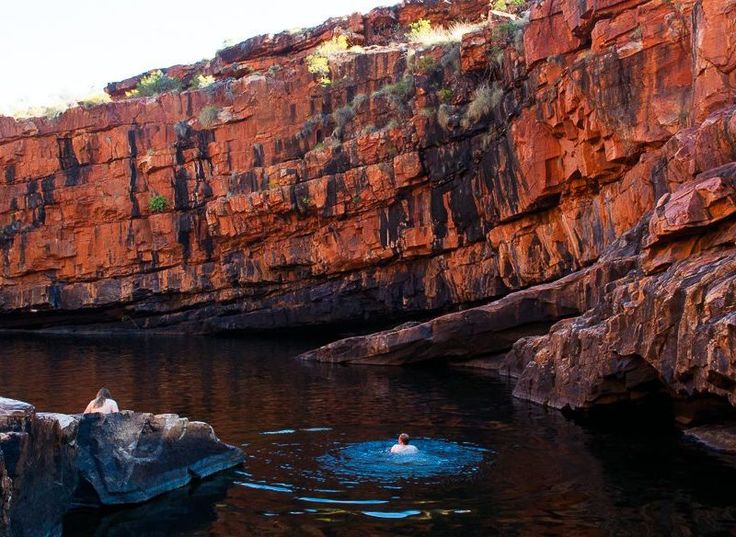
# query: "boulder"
{"type": "Point", "coordinates": [39, 475]}
{"type": "Point", "coordinates": [49, 462]}
{"type": "Point", "coordinates": [150, 455]}
{"type": "Point", "coordinates": [720, 437]}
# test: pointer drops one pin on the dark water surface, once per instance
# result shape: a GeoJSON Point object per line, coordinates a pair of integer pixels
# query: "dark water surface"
{"type": "Point", "coordinates": [316, 438]}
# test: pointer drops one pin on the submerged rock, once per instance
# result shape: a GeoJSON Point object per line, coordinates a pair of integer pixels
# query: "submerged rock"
{"type": "Point", "coordinates": [721, 437]}
{"type": "Point", "coordinates": [48, 460]}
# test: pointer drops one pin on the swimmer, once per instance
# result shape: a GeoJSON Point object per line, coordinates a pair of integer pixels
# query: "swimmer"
{"type": "Point", "coordinates": [102, 404]}
{"type": "Point", "coordinates": [403, 447]}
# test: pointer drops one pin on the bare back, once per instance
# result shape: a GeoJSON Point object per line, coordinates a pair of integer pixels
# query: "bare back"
{"type": "Point", "coordinates": [108, 407]}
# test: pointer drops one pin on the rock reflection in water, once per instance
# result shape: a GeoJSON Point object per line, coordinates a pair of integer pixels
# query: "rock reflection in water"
{"type": "Point", "coordinates": [543, 474]}
{"type": "Point", "coordinates": [182, 512]}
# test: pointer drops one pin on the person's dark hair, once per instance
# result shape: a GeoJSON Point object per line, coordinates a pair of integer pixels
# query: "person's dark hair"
{"type": "Point", "coordinates": [404, 439]}
{"type": "Point", "coordinates": [102, 396]}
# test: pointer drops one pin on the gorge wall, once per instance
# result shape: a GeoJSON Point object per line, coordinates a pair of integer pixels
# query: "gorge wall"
{"type": "Point", "coordinates": [571, 167]}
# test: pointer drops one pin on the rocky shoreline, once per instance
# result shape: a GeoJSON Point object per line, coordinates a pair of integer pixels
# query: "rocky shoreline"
{"type": "Point", "coordinates": [51, 462]}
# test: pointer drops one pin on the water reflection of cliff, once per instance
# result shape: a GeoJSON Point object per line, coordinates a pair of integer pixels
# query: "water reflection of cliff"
{"type": "Point", "coordinates": [547, 474]}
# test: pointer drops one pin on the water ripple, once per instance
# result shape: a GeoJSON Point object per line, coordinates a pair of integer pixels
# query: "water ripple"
{"type": "Point", "coordinates": [372, 461]}
{"type": "Point", "coordinates": [390, 514]}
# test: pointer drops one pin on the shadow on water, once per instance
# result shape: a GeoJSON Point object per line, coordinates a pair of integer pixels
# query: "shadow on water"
{"type": "Point", "coordinates": [316, 435]}
{"type": "Point", "coordinates": [186, 511]}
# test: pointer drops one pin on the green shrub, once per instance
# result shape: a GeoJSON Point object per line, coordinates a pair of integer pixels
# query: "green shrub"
{"type": "Point", "coordinates": [422, 32]}
{"type": "Point", "coordinates": [496, 54]}
{"type": "Point", "coordinates": [209, 115]}
{"type": "Point", "coordinates": [400, 90]}
{"type": "Point", "coordinates": [202, 81]}
{"type": "Point", "coordinates": [359, 99]}
{"type": "Point", "coordinates": [343, 115]}
{"type": "Point", "coordinates": [93, 100]}
{"type": "Point", "coordinates": [155, 83]}
{"type": "Point", "coordinates": [503, 5]}
{"type": "Point", "coordinates": [485, 98]}
{"type": "Point", "coordinates": [425, 64]}
{"type": "Point", "coordinates": [398, 94]}
{"type": "Point", "coordinates": [334, 46]}
{"type": "Point", "coordinates": [510, 29]}
{"type": "Point", "coordinates": [451, 58]}
{"type": "Point", "coordinates": [157, 203]}
{"type": "Point", "coordinates": [444, 115]}
{"type": "Point", "coordinates": [445, 95]}
{"type": "Point", "coordinates": [318, 63]}
{"type": "Point", "coordinates": [418, 29]}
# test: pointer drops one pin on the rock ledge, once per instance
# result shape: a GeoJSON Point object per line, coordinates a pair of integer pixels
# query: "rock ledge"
{"type": "Point", "coordinates": [49, 462]}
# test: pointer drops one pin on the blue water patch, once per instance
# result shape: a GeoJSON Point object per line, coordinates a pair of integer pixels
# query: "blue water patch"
{"type": "Point", "coordinates": [373, 461]}
{"type": "Point", "coordinates": [392, 514]}
{"type": "Point", "coordinates": [280, 431]}
{"type": "Point", "coordinates": [347, 502]}
{"type": "Point", "coordinates": [317, 429]}
{"type": "Point", "coordinates": [262, 486]}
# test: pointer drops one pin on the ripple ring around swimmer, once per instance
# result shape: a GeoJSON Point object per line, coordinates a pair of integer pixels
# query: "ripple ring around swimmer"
{"type": "Point", "coordinates": [373, 460]}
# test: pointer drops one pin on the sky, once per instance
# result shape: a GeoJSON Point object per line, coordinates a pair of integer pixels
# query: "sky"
{"type": "Point", "coordinates": [58, 50]}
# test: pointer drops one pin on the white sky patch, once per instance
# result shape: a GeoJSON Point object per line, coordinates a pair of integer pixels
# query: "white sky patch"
{"type": "Point", "coordinates": [57, 50]}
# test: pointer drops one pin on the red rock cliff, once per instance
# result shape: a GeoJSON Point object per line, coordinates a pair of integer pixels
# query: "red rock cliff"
{"type": "Point", "coordinates": [583, 152]}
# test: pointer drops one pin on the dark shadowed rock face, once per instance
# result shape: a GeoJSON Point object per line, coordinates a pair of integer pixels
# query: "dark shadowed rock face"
{"type": "Point", "coordinates": [39, 456]}
{"type": "Point", "coordinates": [5, 493]}
{"type": "Point", "coordinates": [48, 459]}
{"type": "Point", "coordinates": [153, 454]}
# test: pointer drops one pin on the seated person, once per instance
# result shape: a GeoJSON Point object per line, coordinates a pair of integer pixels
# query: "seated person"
{"type": "Point", "coordinates": [102, 404]}
{"type": "Point", "coordinates": [403, 447]}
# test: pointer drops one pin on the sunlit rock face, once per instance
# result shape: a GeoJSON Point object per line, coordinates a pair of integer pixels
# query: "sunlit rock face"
{"type": "Point", "coordinates": [580, 155]}
{"type": "Point", "coordinates": [614, 208]}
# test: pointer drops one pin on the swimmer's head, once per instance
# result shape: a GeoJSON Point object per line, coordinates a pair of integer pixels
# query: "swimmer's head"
{"type": "Point", "coordinates": [404, 439]}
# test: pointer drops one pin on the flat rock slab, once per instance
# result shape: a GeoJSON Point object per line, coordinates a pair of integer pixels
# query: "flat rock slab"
{"type": "Point", "coordinates": [14, 414]}
{"type": "Point", "coordinates": [720, 437]}
{"type": "Point", "coordinates": [132, 457]}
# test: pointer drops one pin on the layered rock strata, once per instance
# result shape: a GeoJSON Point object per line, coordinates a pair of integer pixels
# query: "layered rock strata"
{"type": "Point", "coordinates": [664, 323]}
{"type": "Point", "coordinates": [571, 162]}
{"type": "Point", "coordinates": [50, 461]}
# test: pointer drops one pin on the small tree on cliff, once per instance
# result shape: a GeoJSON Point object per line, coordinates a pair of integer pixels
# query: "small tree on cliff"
{"type": "Point", "coordinates": [155, 83]}
{"type": "Point", "coordinates": [319, 62]}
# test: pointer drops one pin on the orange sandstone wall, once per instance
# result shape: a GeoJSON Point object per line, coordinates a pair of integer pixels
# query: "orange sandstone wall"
{"type": "Point", "coordinates": [379, 196]}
